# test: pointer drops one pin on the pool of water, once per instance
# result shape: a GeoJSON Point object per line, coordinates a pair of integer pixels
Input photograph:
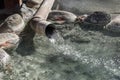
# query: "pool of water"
{"type": "Point", "coordinates": [76, 54]}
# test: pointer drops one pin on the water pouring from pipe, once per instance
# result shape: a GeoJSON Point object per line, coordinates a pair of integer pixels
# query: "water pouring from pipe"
{"type": "Point", "coordinates": [39, 23]}
{"type": "Point", "coordinates": [42, 27]}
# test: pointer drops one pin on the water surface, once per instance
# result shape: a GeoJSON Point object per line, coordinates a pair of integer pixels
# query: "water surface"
{"type": "Point", "coordinates": [74, 54]}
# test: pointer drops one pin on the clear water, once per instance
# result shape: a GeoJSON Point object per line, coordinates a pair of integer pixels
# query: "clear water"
{"type": "Point", "coordinates": [71, 54]}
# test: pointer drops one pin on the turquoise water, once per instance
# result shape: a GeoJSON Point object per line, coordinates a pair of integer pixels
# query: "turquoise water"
{"type": "Point", "coordinates": [72, 54]}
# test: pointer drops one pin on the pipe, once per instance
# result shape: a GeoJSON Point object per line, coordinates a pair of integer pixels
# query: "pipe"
{"type": "Point", "coordinates": [39, 24]}
{"type": "Point", "coordinates": [44, 9]}
{"type": "Point", "coordinates": [42, 27]}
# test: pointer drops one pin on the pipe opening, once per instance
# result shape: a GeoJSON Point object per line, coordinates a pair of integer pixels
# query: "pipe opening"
{"type": "Point", "coordinates": [50, 30]}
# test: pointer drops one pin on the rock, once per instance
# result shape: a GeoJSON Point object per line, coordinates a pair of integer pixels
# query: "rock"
{"type": "Point", "coordinates": [98, 18]}
{"type": "Point", "coordinates": [4, 58]}
{"type": "Point", "coordinates": [114, 25]}
{"type": "Point", "coordinates": [13, 23]}
{"type": "Point", "coordinates": [61, 16]}
{"type": "Point", "coordinates": [34, 3]}
{"type": "Point", "coordinates": [27, 12]}
{"type": "Point", "coordinates": [8, 40]}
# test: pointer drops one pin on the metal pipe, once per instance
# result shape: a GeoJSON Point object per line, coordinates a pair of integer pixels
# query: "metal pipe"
{"type": "Point", "coordinates": [39, 24]}
{"type": "Point", "coordinates": [42, 27]}
{"type": "Point", "coordinates": [44, 9]}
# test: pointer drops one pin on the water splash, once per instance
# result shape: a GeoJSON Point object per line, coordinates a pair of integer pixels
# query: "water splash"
{"type": "Point", "coordinates": [56, 38]}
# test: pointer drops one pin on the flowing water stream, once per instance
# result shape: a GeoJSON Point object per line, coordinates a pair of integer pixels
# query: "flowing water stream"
{"type": "Point", "coordinates": [71, 54]}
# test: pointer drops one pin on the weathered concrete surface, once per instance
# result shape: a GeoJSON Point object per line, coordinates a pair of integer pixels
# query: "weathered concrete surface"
{"type": "Point", "coordinates": [86, 6]}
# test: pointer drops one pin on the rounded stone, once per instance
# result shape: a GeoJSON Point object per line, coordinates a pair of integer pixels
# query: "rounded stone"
{"type": "Point", "coordinates": [59, 16]}
{"type": "Point", "coordinates": [114, 25]}
{"type": "Point", "coordinates": [4, 58]}
{"type": "Point", "coordinates": [98, 18]}
{"type": "Point", "coordinates": [13, 23]}
{"type": "Point", "coordinates": [8, 40]}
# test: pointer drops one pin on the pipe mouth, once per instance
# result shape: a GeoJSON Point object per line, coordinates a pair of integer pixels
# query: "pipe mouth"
{"type": "Point", "coordinates": [50, 30]}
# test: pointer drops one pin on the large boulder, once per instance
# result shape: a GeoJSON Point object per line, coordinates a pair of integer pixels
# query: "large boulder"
{"type": "Point", "coordinates": [14, 23]}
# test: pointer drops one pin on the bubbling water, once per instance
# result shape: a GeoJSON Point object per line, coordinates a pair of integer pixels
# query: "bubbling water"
{"type": "Point", "coordinates": [56, 38]}
{"type": "Point", "coordinates": [94, 62]}
{"type": "Point", "coordinates": [59, 58]}
{"type": "Point", "coordinates": [59, 44]}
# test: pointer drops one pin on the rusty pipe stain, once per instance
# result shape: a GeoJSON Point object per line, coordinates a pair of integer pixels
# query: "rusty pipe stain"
{"type": "Point", "coordinates": [39, 24]}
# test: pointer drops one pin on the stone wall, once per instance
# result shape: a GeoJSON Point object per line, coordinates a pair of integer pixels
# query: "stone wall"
{"type": "Point", "coordinates": [87, 6]}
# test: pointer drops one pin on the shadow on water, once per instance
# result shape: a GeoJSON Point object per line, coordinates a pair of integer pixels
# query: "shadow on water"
{"type": "Point", "coordinates": [26, 46]}
{"type": "Point", "coordinates": [112, 34]}
{"type": "Point", "coordinates": [91, 27]}
{"type": "Point", "coordinates": [99, 29]}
